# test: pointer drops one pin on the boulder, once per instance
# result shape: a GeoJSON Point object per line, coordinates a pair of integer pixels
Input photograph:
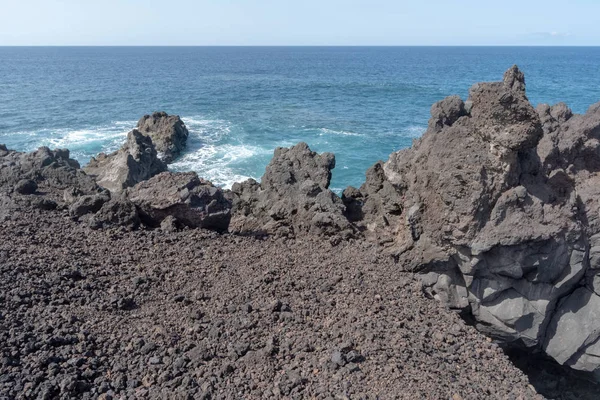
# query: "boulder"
{"type": "Point", "coordinates": [574, 332]}
{"type": "Point", "coordinates": [118, 212]}
{"type": "Point", "coordinates": [497, 207]}
{"type": "Point", "coordinates": [26, 186]}
{"type": "Point", "coordinates": [168, 133]}
{"type": "Point", "coordinates": [88, 204]}
{"type": "Point", "coordinates": [293, 197]}
{"type": "Point", "coordinates": [190, 200]}
{"type": "Point", "coordinates": [136, 161]}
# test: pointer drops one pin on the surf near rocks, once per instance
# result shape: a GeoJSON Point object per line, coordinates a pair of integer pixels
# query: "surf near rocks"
{"type": "Point", "coordinates": [495, 208]}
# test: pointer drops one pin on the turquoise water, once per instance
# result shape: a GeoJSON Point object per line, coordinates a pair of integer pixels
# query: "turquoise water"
{"type": "Point", "coordinates": [240, 103]}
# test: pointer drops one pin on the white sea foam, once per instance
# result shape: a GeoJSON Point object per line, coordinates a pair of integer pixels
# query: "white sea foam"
{"type": "Point", "coordinates": [83, 142]}
{"type": "Point", "coordinates": [415, 131]}
{"type": "Point", "coordinates": [105, 136]}
{"type": "Point", "coordinates": [215, 153]}
{"type": "Point", "coordinates": [208, 130]}
{"type": "Point", "coordinates": [217, 149]}
{"type": "Point", "coordinates": [327, 131]}
{"type": "Point", "coordinates": [219, 163]}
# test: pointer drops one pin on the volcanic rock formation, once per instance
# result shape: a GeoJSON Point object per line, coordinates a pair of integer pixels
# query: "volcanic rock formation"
{"type": "Point", "coordinates": [136, 161]}
{"type": "Point", "coordinates": [497, 207]}
{"type": "Point", "coordinates": [44, 179]}
{"type": "Point", "coordinates": [168, 133]}
{"type": "Point", "coordinates": [293, 198]}
{"type": "Point", "coordinates": [183, 198]}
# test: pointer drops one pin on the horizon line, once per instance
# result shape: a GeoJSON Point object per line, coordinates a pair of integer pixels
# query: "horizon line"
{"type": "Point", "coordinates": [297, 45]}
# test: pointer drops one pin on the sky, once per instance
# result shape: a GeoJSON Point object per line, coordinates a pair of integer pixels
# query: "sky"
{"type": "Point", "coordinates": [299, 22]}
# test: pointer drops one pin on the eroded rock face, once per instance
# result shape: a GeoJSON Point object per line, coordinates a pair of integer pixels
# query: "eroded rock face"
{"type": "Point", "coordinates": [293, 197]}
{"type": "Point", "coordinates": [41, 179]}
{"type": "Point", "coordinates": [43, 166]}
{"type": "Point", "coordinates": [190, 200]}
{"type": "Point", "coordinates": [168, 133]}
{"type": "Point", "coordinates": [136, 161]}
{"type": "Point", "coordinates": [497, 206]}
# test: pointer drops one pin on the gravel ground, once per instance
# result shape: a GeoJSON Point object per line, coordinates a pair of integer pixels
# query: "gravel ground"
{"type": "Point", "coordinates": [192, 314]}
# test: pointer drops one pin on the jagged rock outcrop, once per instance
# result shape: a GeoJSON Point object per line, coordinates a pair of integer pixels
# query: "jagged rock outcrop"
{"type": "Point", "coordinates": [377, 204]}
{"type": "Point", "coordinates": [293, 197]}
{"type": "Point", "coordinates": [168, 133]}
{"type": "Point", "coordinates": [45, 179]}
{"type": "Point", "coordinates": [190, 200]}
{"type": "Point", "coordinates": [48, 179]}
{"type": "Point", "coordinates": [43, 167]}
{"type": "Point", "coordinates": [497, 207]}
{"type": "Point", "coordinates": [136, 161]}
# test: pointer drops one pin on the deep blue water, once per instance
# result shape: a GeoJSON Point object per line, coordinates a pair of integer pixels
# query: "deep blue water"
{"type": "Point", "coordinates": [240, 103]}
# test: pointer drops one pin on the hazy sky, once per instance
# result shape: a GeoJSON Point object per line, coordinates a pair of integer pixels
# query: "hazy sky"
{"type": "Point", "coordinates": [299, 22]}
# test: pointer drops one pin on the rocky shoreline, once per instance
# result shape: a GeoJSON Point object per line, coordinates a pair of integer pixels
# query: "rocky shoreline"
{"type": "Point", "coordinates": [114, 285]}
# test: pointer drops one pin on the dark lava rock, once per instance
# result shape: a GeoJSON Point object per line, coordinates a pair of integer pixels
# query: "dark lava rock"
{"type": "Point", "coordinates": [497, 205]}
{"type": "Point", "coordinates": [88, 204]}
{"type": "Point", "coordinates": [66, 298]}
{"type": "Point", "coordinates": [192, 201]}
{"type": "Point", "coordinates": [136, 161]}
{"type": "Point", "coordinates": [118, 211]}
{"type": "Point", "coordinates": [168, 133]}
{"type": "Point", "coordinates": [293, 197]}
{"type": "Point", "coordinates": [49, 172]}
{"type": "Point", "coordinates": [26, 186]}
{"type": "Point", "coordinates": [338, 358]}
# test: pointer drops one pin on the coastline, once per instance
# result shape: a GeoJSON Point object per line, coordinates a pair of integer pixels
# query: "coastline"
{"type": "Point", "coordinates": [493, 209]}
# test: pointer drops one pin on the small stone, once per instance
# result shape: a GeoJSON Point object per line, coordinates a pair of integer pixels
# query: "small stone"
{"type": "Point", "coordinates": [178, 298]}
{"type": "Point", "coordinates": [338, 358]}
{"type": "Point", "coordinates": [133, 383]}
{"type": "Point", "coordinates": [180, 362]}
{"type": "Point", "coordinates": [138, 280]}
{"type": "Point", "coordinates": [227, 370]}
{"type": "Point", "coordinates": [26, 186]}
{"type": "Point", "coordinates": [154, 360]}
{"type": "Point", "coordinates": [354, 357]}
{"type": "Point", "coordinates": [44, 204]}
{"type": "Point", "coordinates": [148, 348]}
{"type": "Point", "coordinates": [276, 306]}
{"type": "Point", "coordinates": [352, 367]}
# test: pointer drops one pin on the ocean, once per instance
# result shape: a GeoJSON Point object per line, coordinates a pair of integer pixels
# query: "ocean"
{"type": "Point", "coordinates": [239, 103]}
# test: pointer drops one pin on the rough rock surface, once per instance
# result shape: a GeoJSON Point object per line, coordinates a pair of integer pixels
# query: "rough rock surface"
{"type": "Point", "coordinates": [292, 199]}
{"type": "Point", "coordinates": [196, 315]}
{"type": "Point", "coordinates": [119, 211]}
{"type": "Point", "coordinates": [42, 170]}
{"type": "Point", "coordinates": [168, 133]}
{"type": "Point", "coordinates": [191, 201]}
{"type": "Point", "coordinates": [497, 206]}
{"type": "Point", "coordinates": [88, 204]}
{"type": "Point", "coordinates": [136, 161]}
{"type": "Point", "coordinates": [44, 179]}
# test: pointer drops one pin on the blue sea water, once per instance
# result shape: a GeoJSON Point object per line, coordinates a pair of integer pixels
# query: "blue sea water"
{"type": "Point", "coordinates": [239, 103]}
